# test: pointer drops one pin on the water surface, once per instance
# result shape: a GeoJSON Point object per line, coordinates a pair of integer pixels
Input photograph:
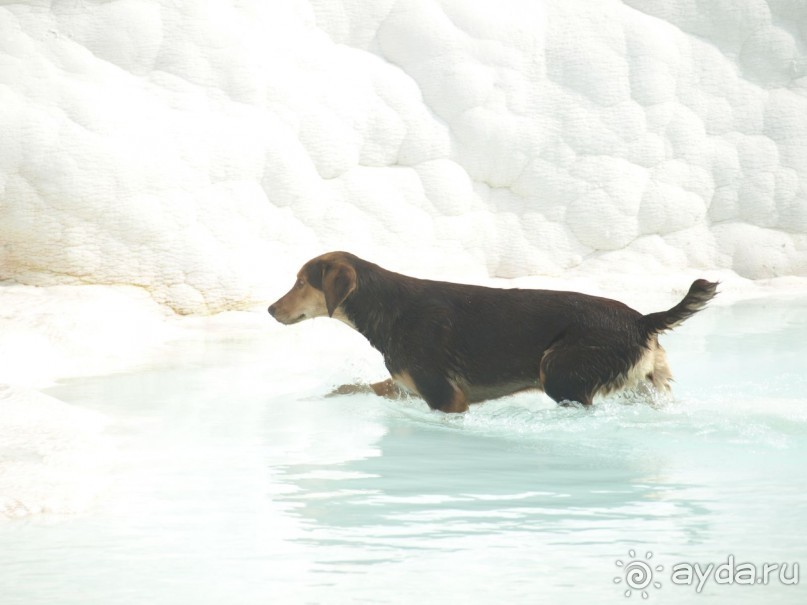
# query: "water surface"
{"type": "Point", "coordinates": [227, 477]}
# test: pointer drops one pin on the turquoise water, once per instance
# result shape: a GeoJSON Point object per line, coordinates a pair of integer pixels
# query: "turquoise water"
{"type": "Point", "coordinates": [231, 479]}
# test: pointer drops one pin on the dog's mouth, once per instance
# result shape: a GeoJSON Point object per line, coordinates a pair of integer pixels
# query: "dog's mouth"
{"type": "Point", "coordinates": [285, 319]}
{"type": "Point", "coordinates": [294, 320]}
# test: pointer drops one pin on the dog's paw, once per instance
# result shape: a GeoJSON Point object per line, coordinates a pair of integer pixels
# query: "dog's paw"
{"type": "Point", "coordinates": [350, 389]}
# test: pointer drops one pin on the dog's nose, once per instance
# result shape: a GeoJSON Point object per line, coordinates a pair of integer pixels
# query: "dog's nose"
{"type": "Point", "coordinates": [272, 309]}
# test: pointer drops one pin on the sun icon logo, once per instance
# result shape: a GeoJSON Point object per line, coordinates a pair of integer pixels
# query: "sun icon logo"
{"type": "Point", "coordinates": [638, 574]}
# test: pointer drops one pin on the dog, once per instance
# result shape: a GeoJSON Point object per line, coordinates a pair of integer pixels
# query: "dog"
{"type": "Point", "coordinates": [455, 344]}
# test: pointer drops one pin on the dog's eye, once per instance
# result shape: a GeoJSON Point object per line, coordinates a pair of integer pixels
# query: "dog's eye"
{"type": "Point", "coordinates": [300, 283]}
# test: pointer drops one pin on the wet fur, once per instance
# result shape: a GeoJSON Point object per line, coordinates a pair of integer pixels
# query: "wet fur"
{"type": "Point", "coordinates": [456, 344]}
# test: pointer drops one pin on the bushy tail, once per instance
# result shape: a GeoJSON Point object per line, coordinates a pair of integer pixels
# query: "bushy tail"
{"type": "Point", "coordinates": [700, 293]}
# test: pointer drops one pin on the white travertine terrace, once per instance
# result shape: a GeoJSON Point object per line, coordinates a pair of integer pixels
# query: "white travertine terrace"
{"type": "Point", "coordinates": [202, 150]}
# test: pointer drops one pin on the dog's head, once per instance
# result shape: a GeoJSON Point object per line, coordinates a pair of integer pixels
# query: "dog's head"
{"type": "Point", "coordinates": [322, 286]}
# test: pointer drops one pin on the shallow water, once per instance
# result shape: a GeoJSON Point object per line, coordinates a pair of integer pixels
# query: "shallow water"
{"type": "Point", "coordinates": [226, 477]}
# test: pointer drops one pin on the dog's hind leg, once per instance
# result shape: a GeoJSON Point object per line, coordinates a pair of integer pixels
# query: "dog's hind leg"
{"type": "Point", "coordinates": [564, 390]}
{"type": "Point", "coordinates": [574, 372]}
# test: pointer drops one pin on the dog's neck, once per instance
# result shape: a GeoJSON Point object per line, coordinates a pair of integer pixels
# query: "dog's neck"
{"type": "Point", "coordinates": [376, 305]}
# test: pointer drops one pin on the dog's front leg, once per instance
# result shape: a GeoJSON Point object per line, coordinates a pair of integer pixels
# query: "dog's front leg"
{"type": "Point", "coordinates": [441, 393]}
{"type": "Point", "coordinates": [386, 388]}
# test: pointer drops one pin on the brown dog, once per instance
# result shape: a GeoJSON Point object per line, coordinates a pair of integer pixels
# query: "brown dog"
{"type": "Point", "coordinates": [455, 344]}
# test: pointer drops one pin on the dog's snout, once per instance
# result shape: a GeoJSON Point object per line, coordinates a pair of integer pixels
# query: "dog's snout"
{"type": "Point", "coordinates": [272, 309]}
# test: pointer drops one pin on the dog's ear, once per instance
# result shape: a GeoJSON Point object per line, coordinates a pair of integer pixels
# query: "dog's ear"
{"type": "Point", "coordinates": [338, 281]}
{"type": "Point", "coordinates": [315, 271]}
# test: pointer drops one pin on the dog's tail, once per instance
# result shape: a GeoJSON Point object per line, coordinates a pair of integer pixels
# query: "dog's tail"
{"type": "Point", "coordinates": [700, 293]}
